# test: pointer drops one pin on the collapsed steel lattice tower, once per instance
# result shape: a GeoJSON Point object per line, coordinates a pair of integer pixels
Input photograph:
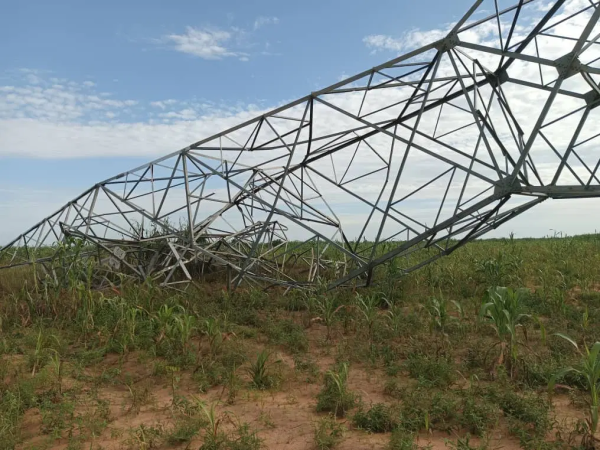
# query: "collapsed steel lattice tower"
{"type": "Point", "coordinates": [408, 160]}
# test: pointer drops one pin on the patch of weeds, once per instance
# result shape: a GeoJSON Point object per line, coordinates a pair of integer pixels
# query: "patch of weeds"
{"type": "Point", "coordinates": [443, 412]}
{"type": "Point", "coordinates": [307, 366]}
{"type": "Point", "coordinates": [259, 371]}
{"type": "Point", "coordinates": [392, 389]}
{"type": "Point", "coordinates": [217, 370]}
{"type": "Point", "coordinates": [328, 433]}
{"type": "Point", "coordinates": [110, 376]}
{"type": "Point", "coordinates": [535, 373]}
{"type": "Point", "coordinates": [389, 355]}
{"type": "Point", "coordinates": [380, 418]}
{"type": "Point", "coordinates": [464, 443]}
{"type": "Point", "coordinates": [145, 437]}
{"type": "Point", "coordinates": [528, 416]}
{"type": "Point", "coordinates": [335, 396]}
{"type": "Point", "coordinates": [287, 333]}
{"type": "Point", "coordinates": [90, 356]}
{"type": "Point", "coordinates": [233, 384]}
{"type": "Point", "coordinates": [294, 301]}
{"type": "Point", "coordinates": [423, 411]}
{"type": "Point", "coordinates": [475, 356]}
{"type": "Point", "coordinates": [56, 416]}
{"type": "Point", "coordinates": [402, 440]}
{"type": "Point", "coordinates": [267, 419]}
{"type": "Point", "coordinates": [241, 438]}
{"type": "Point", "coordinates": [184, 430]}
{"type": "Point", "coordinates": [139, 396]}
{"type": "Point", "coordinates": [478, 415]}
{"type": "Point", "coordinates": [430, 371]}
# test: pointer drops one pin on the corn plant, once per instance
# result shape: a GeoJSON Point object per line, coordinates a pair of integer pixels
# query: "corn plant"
{"type": "Point", "coordinates": [173, 370]}
{"type": "Point", "coordinates": [368, 307]}
{"type": "Point", "coordinates": [503, 309]}
{"type": "Point", "coordinates": [163, 321]}
{"type": "Point", "coordinates": [589, 369]}
{"type": "Point", "coordinates": [259, 371]}
{"type": "Point", "coordinates": [335, 396]}
{"type": "Point", "coordinates": [438, 311]}
{"type": "Point", "coordinates": [394, 315]}
{"type": "Point", "coordinates": [212, 330]}
{"type": "Point", "coordinates": [42, 347]}
{"type": "Point", "coordinates": [57, 367]}
{"type": "Point", "coordinates": [326, 310]}
{"type": "Point", "coordinates": [185, 325]}
{"type": "Point", "coordinates": [213, 435]}
{"type": "Point", "coordinates": [129, 319]}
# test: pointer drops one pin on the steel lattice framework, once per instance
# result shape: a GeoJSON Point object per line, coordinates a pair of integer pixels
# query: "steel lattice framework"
{"type": "Point", "coordinates": [408, 160]}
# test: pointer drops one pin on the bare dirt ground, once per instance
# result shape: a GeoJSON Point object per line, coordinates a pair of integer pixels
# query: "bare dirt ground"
{"type": "Point", "coordinates": [284, 417]}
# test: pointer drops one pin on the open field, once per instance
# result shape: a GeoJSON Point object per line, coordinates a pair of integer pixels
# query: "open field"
{"type": "Point", "coordinates": [441, 358]}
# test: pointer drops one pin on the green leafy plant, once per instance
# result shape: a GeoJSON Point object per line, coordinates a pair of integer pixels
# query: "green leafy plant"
{"type": "Point", "coordinates": [212, 330]}
{"type": "Point", "coordinates": [328, 433]}
{"type": "Point", "coordinates": [431, 371]}
{"type": "Point", "coordinates": [368, 306]}
{"type": "Point", "coordinates": [503, 309]}
{"type": "Point", "coordinates": [402, 440]}
{"type": "Point", "coordinates": [259, 371]}
{"type": "Point", "coordinates": [326, 308]}
{"type": "Point", "coordinates": [440, 315]}
{"type": "Point", "coordinates": [335, 396]}
{"type": "Point", "coordinates": [589, 369]}
{"type": "Point", "coordinates": [380, 418]}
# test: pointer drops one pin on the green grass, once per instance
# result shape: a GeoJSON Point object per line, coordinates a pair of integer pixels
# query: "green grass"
{"type": "Point", "coordinates": [465, 345]}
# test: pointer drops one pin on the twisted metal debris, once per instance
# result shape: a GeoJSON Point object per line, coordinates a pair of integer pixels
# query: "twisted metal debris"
{"type": "Point", "coordinates": [407, 161]}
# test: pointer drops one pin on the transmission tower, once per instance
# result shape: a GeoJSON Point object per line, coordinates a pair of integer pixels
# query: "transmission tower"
{"type": "Point", "coordinates": [408, 160]}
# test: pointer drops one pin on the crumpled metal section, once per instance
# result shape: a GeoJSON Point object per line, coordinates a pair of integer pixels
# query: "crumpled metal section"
{"type": "Point", "coordinates": [406, 161]}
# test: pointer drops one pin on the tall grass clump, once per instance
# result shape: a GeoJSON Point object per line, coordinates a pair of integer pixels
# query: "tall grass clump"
{"type": "Point", "coordinates": [335, 396]}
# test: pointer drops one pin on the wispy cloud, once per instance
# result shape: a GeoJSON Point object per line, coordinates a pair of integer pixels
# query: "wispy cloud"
{"type": "Point", "coordinates": [214, 43]}
{"type": "Point", "coordinates": [52, 117]}
{"type": "Point", "coordinates": [57, 100]}
{"type": "Point", "coordinates": [412, 39]}
{"type": "Point", "coordinates": [162, 104]}
{"type": "Point", "coordinates": [261, 21]}
{"type": "Point", "coordinates": [205, 43]}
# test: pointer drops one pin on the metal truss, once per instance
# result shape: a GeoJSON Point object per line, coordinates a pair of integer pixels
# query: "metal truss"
{"type": "Point", "coordinates": [408, 160]}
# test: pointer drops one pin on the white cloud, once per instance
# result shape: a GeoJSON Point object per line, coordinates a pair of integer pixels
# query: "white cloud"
{"type": "Point", "coordinates": [261, 21]}
{"type": "Point", "coordinates": [412, 39]}
{"type": "Point", "coordinates": [47, 100]}
{"type": "Point", "coordinates": [162, 104]}
{"type": "Point", "coordinates": [205, 43]}
{"type": "Point", "coordinates": [214, 43]}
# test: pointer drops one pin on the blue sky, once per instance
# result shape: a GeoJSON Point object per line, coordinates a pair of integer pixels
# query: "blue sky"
{"type": "Point", "coordinates": [90, 89]}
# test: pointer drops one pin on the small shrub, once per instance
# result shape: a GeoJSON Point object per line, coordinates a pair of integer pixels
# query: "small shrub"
{"type": "Point", "coordinates": [328, 433]}
{"type": "Point", "coordinates": [287, 333]}
{"type": "Point", "coordinates": [185, 430]}
{"type": "Point", "coordinates": [392, 389]}
{"type": "Point", "coordinates": [528, 416]}
{"type": "Point", "coordinates": [431, 372]}
{"type": "Point", "coordinates": [402, 440]}
{"type": "Point", "coordinates": [380, 418]}
{"type": "Point", "coordinates": [478, 416]}
{"type": "Point", "coordinates": [243, 439]}
{"type": "Point", "coordinates": [307, 366]}
{"type": "Point", "coordinates": [422, 411]}
{"type": "Point", "coordinates": [464, 443]}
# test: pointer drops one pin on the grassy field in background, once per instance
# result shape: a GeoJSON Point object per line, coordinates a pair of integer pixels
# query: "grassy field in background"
{"type": "Point", "coordinates": [493, 346]}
